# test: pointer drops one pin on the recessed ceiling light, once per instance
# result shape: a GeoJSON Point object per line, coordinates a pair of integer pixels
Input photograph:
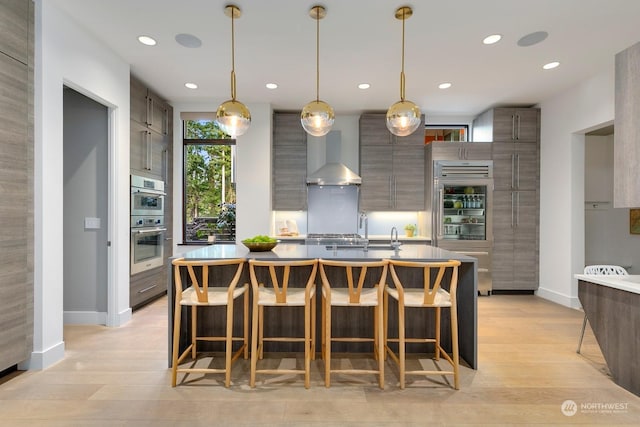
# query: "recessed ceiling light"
{"type": "Point", "coordinates": [493, 38]}
{"type": "Point", "coordinates": [149, 41]}
{"type": "Point", "coordinates": [533, 38]}
{"type": "Point", "coordinates": [271, 86]}
{"type": "Point", "coordinates": [446, 85]}
{"type": "Point", "coordinates": [551, 65]}
{"type": "Point", "coordinates": [191, 85]}
{"type": "Point", "coordinates": [188, 40]}
{"type": "Point", "coordinates": [364, 86]}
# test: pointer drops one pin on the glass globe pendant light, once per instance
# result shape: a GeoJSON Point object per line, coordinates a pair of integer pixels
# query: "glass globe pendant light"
{"type": "Point", "coordinates": [317, 116]}
{"type": "Point", "coordinates": [403, 117]}
{"type": "Point", "coordinates": [233, 117]}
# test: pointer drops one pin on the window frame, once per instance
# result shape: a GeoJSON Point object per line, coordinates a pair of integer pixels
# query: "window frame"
{"type": "Point", "coordinates": [185, 143]}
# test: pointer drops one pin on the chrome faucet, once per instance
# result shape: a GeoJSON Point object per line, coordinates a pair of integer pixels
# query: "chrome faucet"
{"type": "Point", "coordinates": [395, 243]}
{"type": "Point", "coordinates": [364, 219]}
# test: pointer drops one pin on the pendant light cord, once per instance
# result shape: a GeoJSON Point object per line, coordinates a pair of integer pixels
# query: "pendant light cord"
{"type": "Point", "coordinates": [402, 70]}
{"type": "Point", "coordinates": [317, 54]}
{"type": "Point", "coordinates": [233, 56]}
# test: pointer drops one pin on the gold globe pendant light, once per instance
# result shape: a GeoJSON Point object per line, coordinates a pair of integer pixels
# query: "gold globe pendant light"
{"type": "Point", "coordinates": [403, 117]}
{"type": "Point", "coordinates": [233, 117]}
{"type": "Point", "coordinates": [317, 116]}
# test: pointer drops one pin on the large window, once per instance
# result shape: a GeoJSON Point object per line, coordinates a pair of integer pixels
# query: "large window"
{"type": "Point", "coordinates": [209, 212]}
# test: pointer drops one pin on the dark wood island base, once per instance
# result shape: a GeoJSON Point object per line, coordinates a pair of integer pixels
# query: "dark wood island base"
{"type": "Point", "coordinates": [285, 322]}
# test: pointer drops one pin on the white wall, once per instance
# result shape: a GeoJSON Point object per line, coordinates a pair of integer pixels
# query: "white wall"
{"type": "Point", "coordinates": [66, 54]}
{"type": "Point", "coordinates": [253, 171]}
{"type": "Point", "coordinates": [607, 237]}
{"type": "Point", "coordinates": [564, 120]}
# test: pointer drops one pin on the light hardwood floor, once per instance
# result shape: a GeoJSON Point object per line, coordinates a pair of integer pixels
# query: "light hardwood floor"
{"type": "Point", "coordinates": [528, 368]}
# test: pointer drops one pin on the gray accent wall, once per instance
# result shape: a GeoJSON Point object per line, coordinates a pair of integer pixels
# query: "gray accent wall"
{"type": "Point", "coordinates": [85, 197]}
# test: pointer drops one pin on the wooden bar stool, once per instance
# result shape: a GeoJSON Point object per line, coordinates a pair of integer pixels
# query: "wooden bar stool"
{"type": "Point", "coordinates": [289, 284]}
{"type": "Point", "coordinates": [199, 293]}
{"type": "Point", "coordinates": [430, 295]}
{"type": "Point", "coordinates": [353, 284]}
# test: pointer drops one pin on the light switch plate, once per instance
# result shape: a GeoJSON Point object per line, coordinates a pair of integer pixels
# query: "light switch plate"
{"type": "Point", "coordinates": [91, 223]}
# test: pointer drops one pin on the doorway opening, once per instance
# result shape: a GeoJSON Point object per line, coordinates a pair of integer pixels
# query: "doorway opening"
{"type": "Point", "coordinates": [86, 209]}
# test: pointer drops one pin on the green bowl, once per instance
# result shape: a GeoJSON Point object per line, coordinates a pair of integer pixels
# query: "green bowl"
{"type": "Point", "coordinates": [260, 246]}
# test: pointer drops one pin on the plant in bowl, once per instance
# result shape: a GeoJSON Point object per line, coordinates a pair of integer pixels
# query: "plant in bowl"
{"type": "Point", "coordinates": [260, 243]}
{"type": "Point", "coordinates": [410, 229]}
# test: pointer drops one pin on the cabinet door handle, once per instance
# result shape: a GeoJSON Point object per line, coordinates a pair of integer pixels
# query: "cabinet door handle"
{"type": "Point", "coordinates": [147, 289]}
{"type": "Point", "coordinates": [395, 192]}
{"type": "Point", "coordinates": [149, 111]}
{"type": "Point", "coordinates": [518, 171]}
{"type": "Point", "coordinates": [518, 128]}
{"type": "Point", "coordinates": [166, 122]}
{"type": "Point", "coordinates": [149, 151]}
{"type": "Point", "coordinates": [513, 171]}
{"type": "Point", "coordinates": [513, 126]}
{"type": "Point", "coordinates": [165, 160]}
{"type": "Point", "coordinates": [517, 209]}
{"type": "Point", "coordinates": [512, 210]}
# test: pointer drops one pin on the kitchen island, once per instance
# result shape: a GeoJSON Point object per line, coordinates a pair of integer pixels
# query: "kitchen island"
{"type": "Point", "coordinates": [611, 306]}
{"type": "Point", "coordinates": [416, 324]}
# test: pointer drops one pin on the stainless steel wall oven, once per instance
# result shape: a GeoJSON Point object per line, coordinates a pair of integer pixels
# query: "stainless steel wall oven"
{"type": "Point", "coordinates": [147, 224]}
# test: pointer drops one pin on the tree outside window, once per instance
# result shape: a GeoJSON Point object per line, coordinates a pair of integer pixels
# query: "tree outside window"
{"type": "Point", "coordinates": [209, 187]}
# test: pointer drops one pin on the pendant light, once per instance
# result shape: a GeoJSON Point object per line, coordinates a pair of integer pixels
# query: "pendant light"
{"type": "Point", "coordinates": [317, 116]}
{"type": "Point", "coordinates": [233, 117]}
{"type": "Point", "coordinates": [403, 117]}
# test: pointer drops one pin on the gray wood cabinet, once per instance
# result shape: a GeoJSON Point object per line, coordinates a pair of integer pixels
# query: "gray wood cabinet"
{"type": "Point", "coordinates": [289, 163]}
{"type": "Point", "coordinates": [460, 150]}
{"type": "Point", "coordinates": [515, 166]}
{"type": "Point", "coordinates": [16, 181]}
{"type": "Point", "coordinates": [507, 125]}
{"type": "Point", "coordinates": [149, 108]}
{"type": "Point", "coordinates": [150, 133]}
{"type": "Point", "coordinates": [147, 286]}
{"type": "Point", "coordinates": [392, 168]}
{"type": "Point", "coordinates": [151, 154]}
{"type": "Point", "coordinates": [626, 139]}
{"type": "Point", "coordinates": [515, 240]}
{"type": "Point", "coordinates": [516, 176]}
{"type": "Point", "coordinates": [14, 29]}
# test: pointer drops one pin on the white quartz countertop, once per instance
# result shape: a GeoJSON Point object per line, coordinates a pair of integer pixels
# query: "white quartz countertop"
{"type": "Point", "coordinates": [630, 283]}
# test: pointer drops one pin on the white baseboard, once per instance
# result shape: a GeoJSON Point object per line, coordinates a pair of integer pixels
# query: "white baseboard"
{"type": "Point", "coordinates": [562, 299]}
{"type": "Point", "coordinates": [85, 318]}
{"type": "Point", "coordinates": [43, 359]}
{"type": "Point", "coordinates": [123, 317]}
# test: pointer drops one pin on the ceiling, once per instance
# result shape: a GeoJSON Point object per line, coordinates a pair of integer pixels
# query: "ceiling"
{"type": "Point", "coordinates": [360, 41]}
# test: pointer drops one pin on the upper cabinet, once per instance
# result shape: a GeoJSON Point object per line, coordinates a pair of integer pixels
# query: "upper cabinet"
{"type": "Point", "coordinates": [289, 163]}
{"type": "Point", "coordinates": [151, 133]}
{"type": "Point", "coordinates": [626, 139]}
{"type": "Point", "coordinates": [460, 150]}
{"type": "Point", "coordinates": [507, 125]}
{"type": "Point", "coordinates": [391, 167]}
{"type": "Point", "coordinates": [148, 108]}
{"type": "Point", "coordinates": [14, 25]}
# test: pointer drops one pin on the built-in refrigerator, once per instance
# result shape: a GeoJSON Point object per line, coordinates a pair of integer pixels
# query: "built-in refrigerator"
{"type": "Point", "coordinates": [461, 212]}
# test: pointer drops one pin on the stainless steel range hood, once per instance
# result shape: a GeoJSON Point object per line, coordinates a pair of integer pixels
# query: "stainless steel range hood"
{"type": "Point", "coordinates": [334, 172]}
